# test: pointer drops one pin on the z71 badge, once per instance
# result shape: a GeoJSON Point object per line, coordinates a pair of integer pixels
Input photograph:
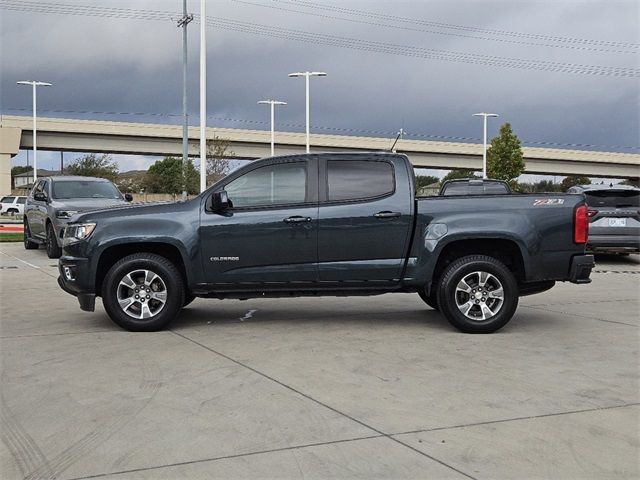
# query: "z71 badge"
{"type": "Point", "coordinates": [548, 201]}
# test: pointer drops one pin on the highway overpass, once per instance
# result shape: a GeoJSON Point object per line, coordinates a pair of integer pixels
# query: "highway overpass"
{"type": "Point", "coordinates": [160, 139]}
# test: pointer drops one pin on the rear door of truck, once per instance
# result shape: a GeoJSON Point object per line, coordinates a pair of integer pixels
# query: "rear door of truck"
{"type": "Point", "coordinates": [365, 218]}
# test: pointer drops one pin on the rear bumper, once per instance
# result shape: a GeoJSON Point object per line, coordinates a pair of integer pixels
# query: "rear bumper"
{"type": "Point", "coordinates": [613, 243]}
{"type": "Point", "coordinates": [580, 269]}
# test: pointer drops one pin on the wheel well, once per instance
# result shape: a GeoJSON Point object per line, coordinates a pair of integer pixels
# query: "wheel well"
{"type": "Point", "coordinates": [506, 251]}
{"type": "Point", "coordinates": [112, 254]}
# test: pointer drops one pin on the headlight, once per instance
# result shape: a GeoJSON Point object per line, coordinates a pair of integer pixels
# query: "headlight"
{"type": "Point", "coordinates": [77, 232]}
{"type": "Point", "coordinates": [66, 214]}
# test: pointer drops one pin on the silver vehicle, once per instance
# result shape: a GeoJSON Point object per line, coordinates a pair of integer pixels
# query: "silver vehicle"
{"type": "Point", "coordinates": [54, 200]}
{"type": "Point", "coordinates": [12, 205]}
{"type": "Point", "coordinates": [614, 217]}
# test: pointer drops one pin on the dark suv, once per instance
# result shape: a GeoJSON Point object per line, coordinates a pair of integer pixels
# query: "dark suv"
{"type": "Point", "coordinates": [614, 217]}
{"type": "Point", "coordinates": [54, 200]}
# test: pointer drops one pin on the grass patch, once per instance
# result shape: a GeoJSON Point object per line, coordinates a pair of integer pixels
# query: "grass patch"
{"type": "Point", "coordinates": [11, 236]}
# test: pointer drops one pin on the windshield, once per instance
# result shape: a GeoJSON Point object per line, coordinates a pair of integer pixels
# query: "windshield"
{"type": "Point", "coordinates": [613, 198]}
{"type": "Point", "coordinates": [85, 189]}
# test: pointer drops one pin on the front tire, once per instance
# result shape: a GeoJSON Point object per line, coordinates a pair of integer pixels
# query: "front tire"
{"type": "Point", "coordinates": [143, 292]}
{"type": "Point", "coordinates": [478, 294]}
{"type": "Point", "coordinates": [53, 249]}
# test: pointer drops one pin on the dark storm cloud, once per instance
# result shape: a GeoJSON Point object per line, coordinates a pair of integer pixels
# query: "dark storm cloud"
{"type": "Point", "coordinates": [134, 66]}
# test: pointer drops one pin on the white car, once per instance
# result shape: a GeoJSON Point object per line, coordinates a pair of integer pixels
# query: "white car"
{"type": "Point", "coordinates": [13, 205]}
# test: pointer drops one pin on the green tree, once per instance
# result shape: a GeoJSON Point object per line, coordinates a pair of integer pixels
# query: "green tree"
{"type": "Point", "coordinates": [93, 165]}
{"type": "Point", "coordinates": [17, 171]}
{"type": "Point", "coordinates": [504, 156]}
{"type": "Point", "coordinates": [455, 174]}
{"type": "Point", "coordinates": [218, 154]}
{"type": "Point", "coordinates": [634, 182]}
{"type": "Point", "coordinates": [573, 180]}
{"type": "Point", "coordinates": [423, 182]}
{"type": "Point", "coordinates": [165, 176]}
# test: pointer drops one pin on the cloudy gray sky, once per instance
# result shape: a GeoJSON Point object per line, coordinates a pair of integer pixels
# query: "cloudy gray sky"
{"type": "Point", "coordinates": [440, 66]}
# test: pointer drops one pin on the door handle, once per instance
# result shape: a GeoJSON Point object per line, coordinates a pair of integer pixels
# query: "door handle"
{"type": "Point", "coordinates": [297, 219]}
{"type": "Point", "coordinates": [387, 214]}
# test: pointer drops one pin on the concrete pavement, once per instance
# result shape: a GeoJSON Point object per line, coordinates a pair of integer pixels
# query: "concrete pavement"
{"type": "Point", "coordinates": [378, 387]}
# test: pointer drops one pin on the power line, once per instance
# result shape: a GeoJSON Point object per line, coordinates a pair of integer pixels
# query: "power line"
{"type": "Point", "coordinates": [584, 47]}
{"type": "Point", "coordinates": [383, 133]}
{"type": "Point", "coordinates": [331, 40]}
{"type": "Point", "coordinates": [381, 16]}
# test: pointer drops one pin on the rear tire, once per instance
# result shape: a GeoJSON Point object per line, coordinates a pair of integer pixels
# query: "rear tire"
{"type": "Point", "coordinates": [478, 294]}
{"type": "Point", "coordinates": [53, 249]}
{"type": "Point", "coordinates": [28, 243]}
{"type": "Point", "coordinates": [143, 292]}
{"type": "Point", "coordinates": [431, 300]}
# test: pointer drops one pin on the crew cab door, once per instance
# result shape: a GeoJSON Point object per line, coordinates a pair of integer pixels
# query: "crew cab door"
{"type": "Point", "coordinates": [365, 219]}
{"type": "Point", "coordinates": [268, 238]}
{"type": "Point", "coordinates": [36, 210]}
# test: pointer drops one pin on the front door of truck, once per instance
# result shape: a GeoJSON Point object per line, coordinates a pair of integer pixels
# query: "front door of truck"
{"type": "Point", "coordinates": [365, 219]}
{"type": "Point", "coordinates": [268, 237]}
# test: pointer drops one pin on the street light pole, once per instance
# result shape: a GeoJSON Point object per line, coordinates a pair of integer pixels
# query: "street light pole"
{"type": "Point", "coordinates": [484, 142]}
{"type": "Point", "coordinates": [307, 75]}
{"type": "Point", "coordinates": [34, 84]}
{"type": "Point", "coordinates": [273, 103]}
{"type": "Point", "coordinates": [203, 96]}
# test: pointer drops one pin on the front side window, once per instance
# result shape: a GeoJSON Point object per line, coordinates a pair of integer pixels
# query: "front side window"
{"type": "Point", "coordinates": [85, 189]}
{"type": "Point", "coordinates": [280, 184]}
{"type": "Point", "coordinates": [7, 199]}
{"type": "Point", "coordinates": [358, 179]}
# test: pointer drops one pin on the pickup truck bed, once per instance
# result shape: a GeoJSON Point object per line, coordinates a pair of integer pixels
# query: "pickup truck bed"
{"type": "Point", "coordinates": [326, 224]}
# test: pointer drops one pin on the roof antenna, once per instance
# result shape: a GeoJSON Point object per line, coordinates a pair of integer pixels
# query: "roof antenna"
{"type": "Point", "coordinates": [400, 136]}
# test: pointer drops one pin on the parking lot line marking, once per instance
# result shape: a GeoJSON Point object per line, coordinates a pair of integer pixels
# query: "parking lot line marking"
{"type": "Point", "coordinates": [516, 419]}
{"type": "Point", "coordinates": [27, 263]}
{"type": "Point", "coordinates": [227, 457]}
{"type": "Point", "coordinates": [580, 316]}
{"type": "Point", "coordinates": [353, 419]}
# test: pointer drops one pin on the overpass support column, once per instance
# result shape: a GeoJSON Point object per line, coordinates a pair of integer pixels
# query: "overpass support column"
{"type": "Point", "coordinates": [9, 146]}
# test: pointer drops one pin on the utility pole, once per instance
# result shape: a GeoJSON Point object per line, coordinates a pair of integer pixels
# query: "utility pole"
{"type": "Point", "coordinates": [61, 162]}
{"type": "Point", "coordinates": [183, 22]}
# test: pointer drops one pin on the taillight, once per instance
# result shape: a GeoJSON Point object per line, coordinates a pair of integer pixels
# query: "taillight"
{"type": "Point", "coordinates": [592, 213]}
{"type": "Point", "coordinates": [581, 225]}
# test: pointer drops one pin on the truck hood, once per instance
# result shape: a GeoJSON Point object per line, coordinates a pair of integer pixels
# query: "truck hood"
{"type": "Point", "coordinates": [129, 210]}
{"type": "Point", "coordinates": [86, 204]}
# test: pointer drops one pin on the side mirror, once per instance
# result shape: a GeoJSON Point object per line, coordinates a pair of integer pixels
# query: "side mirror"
{"type": "Point", "coordinates": [128, 197]}
{"type": "Point", "coordinates": [219, 202]}
{"type": "Point", "coordinates": [40, 196]}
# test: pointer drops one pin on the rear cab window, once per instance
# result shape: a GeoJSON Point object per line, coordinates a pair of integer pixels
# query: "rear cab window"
{"type": "Point", "coordinates": [613, 198]}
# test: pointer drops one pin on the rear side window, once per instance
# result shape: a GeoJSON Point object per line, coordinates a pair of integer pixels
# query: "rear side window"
{"type": "Point", "coordinates": [613, 198]}
{"type": "Point", "coordinates": [7, 199]}
{"type": "Point", "coordinates": [280, 184]}
{"type": "Point", "coordinates": [357, 179]}
{"type": "Point", "coordinates": [22, 199]}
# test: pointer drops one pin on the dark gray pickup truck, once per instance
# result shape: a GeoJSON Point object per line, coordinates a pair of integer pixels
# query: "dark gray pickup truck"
{"type": "Point", "coordinates": [326, 224]}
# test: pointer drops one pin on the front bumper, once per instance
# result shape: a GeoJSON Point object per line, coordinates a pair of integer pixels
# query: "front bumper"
{"type": "Point", "coordinates": [580, 269]}
{"type": "Point", "coordinates": [75, 279]}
